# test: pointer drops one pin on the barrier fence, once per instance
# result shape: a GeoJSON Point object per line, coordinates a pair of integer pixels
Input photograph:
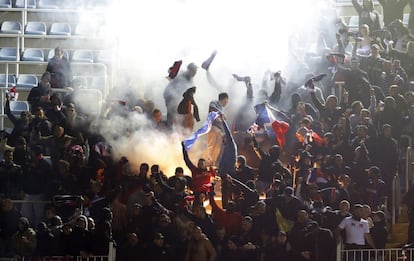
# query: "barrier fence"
{"type": "Point", "coordinates": [110, 257]}
{"type": "Point", "coordinates": [392, 254]}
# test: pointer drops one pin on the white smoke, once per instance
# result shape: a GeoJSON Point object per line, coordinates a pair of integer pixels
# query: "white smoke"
{"type": "Point", "coordinates": [251, 37]}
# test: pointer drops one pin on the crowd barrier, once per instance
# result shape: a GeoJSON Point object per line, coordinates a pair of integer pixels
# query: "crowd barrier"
{"type": "Point", "coordinates": [392, 254]}
{"type": "Point", "coordinates": [110, 257]}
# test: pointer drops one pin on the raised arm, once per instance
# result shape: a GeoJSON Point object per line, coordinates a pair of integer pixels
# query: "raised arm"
{"type": "Point", "coordinates": [10, 115]}
{"type": "Point", "coordinates": [357, 6]}
{"type": "Point", "coordinates": [187, 160]}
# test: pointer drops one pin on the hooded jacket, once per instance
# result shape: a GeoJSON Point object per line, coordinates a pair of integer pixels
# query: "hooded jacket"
{"type": "Point", "coordinates": [24, 241]}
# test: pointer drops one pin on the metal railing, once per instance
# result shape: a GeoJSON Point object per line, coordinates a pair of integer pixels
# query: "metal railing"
{"type": "Point", "coordinates": [396, 198]}
{"type": "Point", "coordinates": [110, 257]}
{"type": "Point", "coordinates": [391, 254]}
{"type": "Point", "coordinates": [407, 151]}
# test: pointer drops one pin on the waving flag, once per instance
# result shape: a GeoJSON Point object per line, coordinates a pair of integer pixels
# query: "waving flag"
{"type": "Point", "coordinates": [189, 142]}
{"type": "Point", "coordinates": [228, 153]}
{"type": "Point", "coordinates": [265, 117]}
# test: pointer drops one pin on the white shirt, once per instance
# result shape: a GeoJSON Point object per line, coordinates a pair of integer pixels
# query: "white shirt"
{"type": "Point", "coordinates": [355, 230]}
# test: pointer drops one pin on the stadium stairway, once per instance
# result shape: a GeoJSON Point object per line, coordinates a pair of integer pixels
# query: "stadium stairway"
{"type": "Point", "coordinates": [398, 235]}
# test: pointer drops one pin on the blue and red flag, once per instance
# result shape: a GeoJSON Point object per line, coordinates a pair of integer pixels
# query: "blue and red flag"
{"type": "Point", "coordinates": [264, 118]}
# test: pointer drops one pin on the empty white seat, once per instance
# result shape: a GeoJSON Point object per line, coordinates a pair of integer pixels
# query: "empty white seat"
{"type": "Point", "coordinates": [11, 80]}
{"type": "Point", "coordinates": [5, 3]}
{"type": "Point", "coordinates": [33, 54]}
{"type": "Point", "coordinates": [82, 56]}
{"type": "Point", "coordinates": [104, 56]}
{"type": "Point", "coordinates": [11, 27]}
{"type": "Point", "coordinates": [27, 81]}
{"type": "Point", "coordinates": [17, 107]}
{"type": "Point", "coordinates": [80, 82]}
{"type": "Point", "coordinates": [8, 54]}
{"type": "Point", "coordinates": [51, 54]}
{"type": "Point", "coordinates": [36, 28]}
{"type": "Point", "coordinates": [30, 3]}
{"type": "Point", "coordinates": [72, 4]}
{"type": "Point", "coordinates": [90, 101]}
{"type": "Point", "coordinates": [406, 18]}
{"type": "Point", "coordinates": [60, 29]}
{"type": "Point", "coordinates": [48, 4]}
{"type": "Point", "coordinates": [353, 22]}
{"type": "Point", "coordinates": [86, 29]}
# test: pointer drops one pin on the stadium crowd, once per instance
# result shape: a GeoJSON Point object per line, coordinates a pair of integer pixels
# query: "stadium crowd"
{"type": "Point", "coordinates": [321, 175]}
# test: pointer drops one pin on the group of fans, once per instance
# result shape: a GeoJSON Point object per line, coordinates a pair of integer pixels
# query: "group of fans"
{"type": "Point", "coordinates": [303, 176]}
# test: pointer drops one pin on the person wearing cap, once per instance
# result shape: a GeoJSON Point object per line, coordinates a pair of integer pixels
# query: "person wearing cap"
{"type": "Point", "coordinates": [379, 232]}
{"type": "Point", "coordinates": [60, 70]}
{"type": "Point", "coordinates": [288, 204]}
{"type": "Point", "coordinates": [174, 90]}
{"type": "Point", "coordinates": [357, 231]}
{"type": "Point", "coordinates": [157, 249]}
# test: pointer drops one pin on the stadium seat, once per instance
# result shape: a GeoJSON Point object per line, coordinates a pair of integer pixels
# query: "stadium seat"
{"type": "Point", "coordinates": [33, 54]}
{"type": "Point", "coordinates": [98, 83]}
{"type": "Point", "coordinates": [48, 4]}
{"type": "Point", "coordinates": [35, 28]}
{"type": "Point", "coordinates": [27, 81]}
{"type": "Point", "coordinates": [8, 54]}
{"type": "Point", "coordinates": [51, 54]}
{"type": "Point", "coordinates": [79, 82]}
{"type": "Point", "coordinates": [11, 80]}
{"type": "Point", "coordinates": [103, 56]}
{"type": "Point", "coordinates": [60, 29]}
{"type": "Point", "coordinates": [30, 3]}
{"type": "Point", "coordinates": [16, 107]}
{"type": "Point", "coordinates": [72, 4]}
{"type": "Point", "coordinates": [11, 27]}
{"type": "Point", "coordinates": [85, 29]}
{"type": "Point", "coordinates": [5, 3]}
{"type": "Point", "coordinates": [90, 100]}
{"type": "Point", "coordinates": [82, 56]}
{"type": "Point", "coordinates": [406, 18]}
{"type": "Point", "coordinates": [354, 22]}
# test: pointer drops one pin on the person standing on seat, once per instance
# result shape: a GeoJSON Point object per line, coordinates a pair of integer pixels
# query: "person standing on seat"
{"type": "Point", "coordinates": [60, 70]}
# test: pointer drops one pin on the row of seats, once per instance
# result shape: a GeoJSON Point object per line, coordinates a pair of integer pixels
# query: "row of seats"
{"type": "Point", "coordinates": [30, 80]}
{"type": "Point", "coordinates": [40, 28]}
{"type": "Point", "coordinates": [23, 81]}
{"type": "Point", "coordinates": [38, 55]}
{"type": "Point", "coordinates": [54, 4]}
{"type": "Point", "coordinates": [92, 100]}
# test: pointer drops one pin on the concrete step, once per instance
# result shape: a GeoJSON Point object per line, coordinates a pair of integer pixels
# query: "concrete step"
{"type": "Point", "coordinates": [400, 228]}
{"type": "Point", "coordinates": [400, 238]}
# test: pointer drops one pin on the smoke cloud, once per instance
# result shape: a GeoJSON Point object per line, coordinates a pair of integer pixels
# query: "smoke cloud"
{"type": "Point", "coordinates": [251, 38]}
